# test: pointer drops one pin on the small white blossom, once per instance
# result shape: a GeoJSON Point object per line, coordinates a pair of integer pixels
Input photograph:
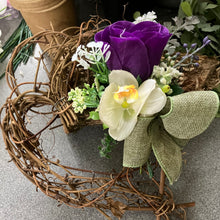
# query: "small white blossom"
{"type": "Point", "coordinates": [163, 81]}
{"type": "Point", "coordinates": [162, 64]}
{"type": "Point", "coordinates": [84, 64]}
{"type": "Point", "coordinates": [91, 54]}
{"type": "Point", "coordinates": [163, 71]}
{"type": "Point", "coordinates": [173, 72]}
{"type": "Point", "coordinates": [94, 44]}
{"type": "Point", "coordinates": [76, 95]}
{"type": "Point", "coordinates": [150, 16]}
{"type": "Point", "coordinates": [164, 75]}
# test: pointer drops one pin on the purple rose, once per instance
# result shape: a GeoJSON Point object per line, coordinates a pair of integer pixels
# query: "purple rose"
{"type": "Point", "coordinates": [134, 47]}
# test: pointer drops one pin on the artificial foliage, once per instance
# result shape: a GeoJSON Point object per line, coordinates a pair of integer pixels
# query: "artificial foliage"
{"type": "Point", "coordinates": [208, 15]}
{"type": "Point", "coordinates": [21, 33]}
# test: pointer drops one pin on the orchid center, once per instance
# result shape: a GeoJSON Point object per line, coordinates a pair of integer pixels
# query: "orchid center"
{"type": "Point", "coordinates": [125, 95]}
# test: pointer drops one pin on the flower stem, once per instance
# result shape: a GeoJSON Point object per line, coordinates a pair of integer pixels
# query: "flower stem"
{"type": "Point", "coordinates": [189, 55]}
{"type": "Point", "coordinates": [161, 188]}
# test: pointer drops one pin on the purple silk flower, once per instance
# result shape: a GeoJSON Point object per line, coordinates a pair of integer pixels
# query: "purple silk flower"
{"type": "Point", "coordinates": [134, 47]}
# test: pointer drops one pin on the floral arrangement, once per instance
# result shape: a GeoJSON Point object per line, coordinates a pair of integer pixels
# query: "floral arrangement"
{"type": "Point", "coordinates": [131, 77]}
{"type": "Point", "coordinates": [137, 95]}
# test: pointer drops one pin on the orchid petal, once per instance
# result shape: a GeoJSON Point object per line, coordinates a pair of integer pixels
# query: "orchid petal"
{"type": "Point", "coordinates": [154, 103]}
{"type": "Point", "coordinates": [110, 111]}
{"type": "Point", "coordinates": [122, 78]}
{"type": "Point", "coordinates": [143, 92]}
{"type": "Point", "coordinates": [124, 129]}
{"type": "Point", "coordinates": [146, 87]}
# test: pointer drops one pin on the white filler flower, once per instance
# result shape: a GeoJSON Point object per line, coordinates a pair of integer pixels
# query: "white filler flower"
{"type": "Point", "coordinates": [91, 54]}
{"type": "Point", "coordinates": [150, 16]}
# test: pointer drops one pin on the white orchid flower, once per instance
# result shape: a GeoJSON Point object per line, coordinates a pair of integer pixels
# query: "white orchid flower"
{"type": "Point", "coordinates": [123, 101]}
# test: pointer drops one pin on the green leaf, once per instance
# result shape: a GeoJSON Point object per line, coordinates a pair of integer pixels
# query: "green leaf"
{"type": "Point", "coordinates": [202, 7]}
{"type": "Point", "coordinates": [194, 5]}
{"type": "Point", "coordinates": [176, 89]}
{"type": "Point", "coordinates": [108, 143]}
{"type": "Point", "coordinates": [21, 33]}
{"type": "Point", "coordinates": [209, 28]}
{"type": "Point", "coordinates": [136, 15]}
{"type": "Point", "coordinates": [3, 9]}
{"type": "Point", "coordinates": [189, 27]}
{"type": "Point", "coordinates": [217, 89]}
{"type": "Point", "coordinates": [186, 8]}
{"type": "Point", "coordinates": [104, 126]}
{"type": "Point", "coordinates": [94, 115]}
{"type": "Point", "coordinates": [139, 80]}
{"type": "Point", "coordinates": [187, 37]}
{"type": "Point", "coordinates": [166, 151]}
{"type": "Point", "coordinates": [216, 48]}
{"type": "Point", "coordinates": [212, 38]}
{"type": "Point", "coordinates": [211, 6]}
{"type": "Point", "coordinates": [150, 170]}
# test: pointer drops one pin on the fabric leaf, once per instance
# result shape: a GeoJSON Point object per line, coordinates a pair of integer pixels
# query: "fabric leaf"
{"type": "Point", "coordinates": [190, 113]}
{"type": "Point", "coordinates": [166, 151]}
{"type": "Point", "coordinates": [137, 146]}
{"type": "Point", "coordinates": [180, 142]}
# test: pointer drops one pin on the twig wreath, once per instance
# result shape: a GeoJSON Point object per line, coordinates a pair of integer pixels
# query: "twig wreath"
{"type": "Point", "coordinates": [125, 103]}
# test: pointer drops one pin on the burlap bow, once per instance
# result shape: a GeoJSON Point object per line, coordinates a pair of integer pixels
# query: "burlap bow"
{"type": "Point", "coordinates": [184, 117]}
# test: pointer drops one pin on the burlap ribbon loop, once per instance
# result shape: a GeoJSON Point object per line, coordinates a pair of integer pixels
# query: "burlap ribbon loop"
{"type": "Point", "coordinates": [137, 146]}
{"type": "Point", "coordinates": [189, 115]}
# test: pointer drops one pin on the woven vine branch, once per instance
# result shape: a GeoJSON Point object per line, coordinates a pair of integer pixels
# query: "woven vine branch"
{"type": "Point", "coordinates": [78, 188]}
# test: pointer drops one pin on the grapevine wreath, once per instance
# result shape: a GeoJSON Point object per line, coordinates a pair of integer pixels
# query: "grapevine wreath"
{"type": "Point", "coordinates": [116, 75]}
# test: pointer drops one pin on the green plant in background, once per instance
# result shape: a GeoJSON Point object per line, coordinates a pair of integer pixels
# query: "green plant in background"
{"type": "Point", "coordinates": [180, 26]}
{"type": "Point", "coordinates": [108, 143]}
{"type": "Point", "coordinates": [208, 13]}
{"type": "Point", "coordinates": [21, 33]}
